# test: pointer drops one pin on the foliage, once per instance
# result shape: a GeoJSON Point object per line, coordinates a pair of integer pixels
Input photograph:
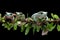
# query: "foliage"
{"type": "Point", "coordinates": [29, 23]}
{"type": "Point", "coordinates": [58, 27]}
{"type": "Point", "coordinates": [50, 26]}
{"type": "Point", "coordinates": [28, 27]}
{"type": "Point", "coordinates": [7, 25]}
{"type": "Point", "coordinates": [54, 16]}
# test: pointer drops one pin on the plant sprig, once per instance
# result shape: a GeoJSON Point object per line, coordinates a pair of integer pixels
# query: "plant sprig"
{"type": "Point", "coordinates": [29, 23]}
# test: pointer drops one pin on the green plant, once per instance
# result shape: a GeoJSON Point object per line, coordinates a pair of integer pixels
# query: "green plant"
{"type": "Point", "coordinates": [29, 23]}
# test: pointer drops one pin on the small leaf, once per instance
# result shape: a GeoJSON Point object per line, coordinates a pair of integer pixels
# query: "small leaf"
{"type": "Point", "coordinates": [52, 14]}
{"type": "Point", "coordinates": [55, 16]}
{"type": "Point", "coordinates": [15, 19]}
{"type": "Point", "coordinates": [22, 28]}
{"type": "Point", "coordinates": [27, 30]}
{"type": "Point", "coordinates": [58, 27]}
{"type": "Point", "coordinates": [38, 28]}
{"type": "Point", "coordinates": [34, 28]}
{"type": "Point", "coordinates": [3, 20]}
{"type": "Point", "coordinates": [15, 26]}
{"type": "Point", "coordinates": [8, 28]}
{"type": "Point", "coordinates": [26, 25]}
{"type": "Point", "coordinates": [50, 26]}
{"type": "Point", "coordinates": [3, 24]}
{"type": "Point", "coordinates": [6, 25]}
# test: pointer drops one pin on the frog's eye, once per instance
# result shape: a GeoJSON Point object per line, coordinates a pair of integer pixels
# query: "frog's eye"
{"type": "Point", "coordinates": [20, 13]}
{"type": "Point", "coordinates": [41, 13]}
{"type": "Point", "coordinates": [11, 14]}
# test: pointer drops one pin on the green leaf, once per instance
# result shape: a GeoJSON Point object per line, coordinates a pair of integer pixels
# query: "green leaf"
{"type": "Point", "coordinates": [3, 24]}
{"type": "Point", "coordinates": [50, 26]}
{"type": "Point", "coordinates": [27, 30]}
{"type": "Point", "coordinates": [38, 28]}
{"type": "Point", "coordinates": [15, 26]}
{"type": "Point", "coordinates": [55, 16]}
{"type": "Point", "coordinates": [34, 28]}
{"type": "Point", "coordinates": [3, 20]}
{"type": "Point", "coordinates": [26, 25]}
{"type": "Point", "coordinates": [52, 15]}
{"type": "Point", "coordinates": [9, 26]}
{"type": "Point", "coordinates": [15, 19]}
{"type": "Point", "coordinates": [22, 28]}
{"type": "Point", "coordinates": [58, 27]}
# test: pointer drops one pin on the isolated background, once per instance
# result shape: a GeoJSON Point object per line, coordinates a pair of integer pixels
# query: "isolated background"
{"type": "Point", "coordinates": [30, 7]}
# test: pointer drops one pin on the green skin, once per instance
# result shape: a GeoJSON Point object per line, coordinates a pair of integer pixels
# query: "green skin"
{"type": "Point", "coordinates": [39, 15]}
{"type": "Point", "coordinates": [20, 15]}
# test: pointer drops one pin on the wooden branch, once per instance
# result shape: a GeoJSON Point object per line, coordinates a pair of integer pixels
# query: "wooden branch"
{"type": "Point", "coordinates": [38, 23]}
{"type": "Point", "coordinates": [43, 22]}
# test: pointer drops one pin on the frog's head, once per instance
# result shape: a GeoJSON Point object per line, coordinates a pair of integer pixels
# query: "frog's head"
{"type": "Point", "coordinates": [8, 14]}
{"type": "Point", "coordinates": [45, 13]}
{"type": "Point", "coordinates": [19, 13]}
{"type": "Point", "coordinates": [42, 12]}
